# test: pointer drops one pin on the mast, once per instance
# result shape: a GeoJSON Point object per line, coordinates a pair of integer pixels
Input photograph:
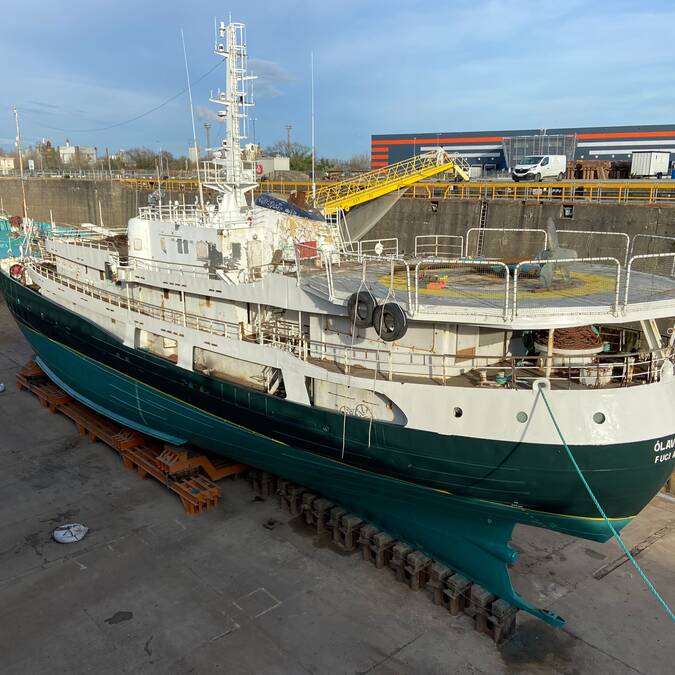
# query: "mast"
{"type": "Point", "coordinates": [227, 173]}
{"type": "Point", "coordinates": [20, 153]}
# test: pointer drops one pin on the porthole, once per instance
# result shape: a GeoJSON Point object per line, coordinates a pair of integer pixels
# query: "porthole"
{"type": "Point", "coordinates": [522, 417]}
{"type": "Point", "coordinates": [599, 418]}
{"type": "Point", "coordinates": [457, 412]}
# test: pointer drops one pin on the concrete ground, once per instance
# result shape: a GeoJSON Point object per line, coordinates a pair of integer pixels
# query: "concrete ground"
{"type": "Point", "coordinates": [151, 589]}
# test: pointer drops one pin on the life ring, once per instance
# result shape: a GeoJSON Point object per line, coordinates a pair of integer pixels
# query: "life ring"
{"type": "Point", "coordinates": [390, 321]}
{"type": "Point", "coordinates": [259, 169]}
{"type": "Point", "coordinates": [361, 306]}
{"type": "Point", "coordinates": [16, 271]}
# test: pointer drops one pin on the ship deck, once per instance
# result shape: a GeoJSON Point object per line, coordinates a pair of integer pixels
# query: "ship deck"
{"type": "Point", "coordinates": [483, 288]}
{"type": "Point", "coordinates": [560, 378]}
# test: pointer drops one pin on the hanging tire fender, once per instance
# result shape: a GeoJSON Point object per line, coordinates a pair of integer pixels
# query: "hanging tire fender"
{"type": "Point", "coordinates": [361, 307]}
{"type": "Point", "coordinates": [390, 321]}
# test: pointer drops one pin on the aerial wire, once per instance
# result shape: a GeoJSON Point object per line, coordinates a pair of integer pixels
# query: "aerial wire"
{"type": "Point", "coordinates": [131, 119]}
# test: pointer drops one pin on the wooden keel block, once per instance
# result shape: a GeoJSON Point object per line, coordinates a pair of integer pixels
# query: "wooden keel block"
{"type": "Point", "coordinates": [366, 534]}
{"type": "Point", "coordinates": [438, 573]}
{"type": "Point", "coordinates": [480, 604]}
{"type": "Point", "coordinates": [321, 509]}
{"type": "Point", "coordinates": [334, 518]}
{"type": "Point", "coordinates": [416, 568]}
{"type": "Point", "coordinates": [346, 534]}
{"type": "Point", "coordinates": [457, 589]}
{"type": "Point", "coordinates": [306, 508]}
{"type": "Point", "coordinates": [382, 548]}
{"type": "Point", "coordinates": [502, 621]}
{"type": "Point", "coordinates": [400, 552]}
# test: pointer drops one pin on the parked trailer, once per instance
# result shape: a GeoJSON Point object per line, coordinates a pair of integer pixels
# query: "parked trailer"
{"type": "Point", "coordinates": [649, 164]}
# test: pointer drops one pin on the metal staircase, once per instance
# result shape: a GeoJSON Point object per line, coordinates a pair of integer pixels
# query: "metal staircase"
{"type": "Point", "coordinates": [349, 193]}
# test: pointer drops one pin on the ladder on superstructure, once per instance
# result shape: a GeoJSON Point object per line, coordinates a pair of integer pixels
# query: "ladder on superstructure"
{"type": "Point", "coordinates": [337, 224]}
{"type": "Point", "coordinates": [346, 194]}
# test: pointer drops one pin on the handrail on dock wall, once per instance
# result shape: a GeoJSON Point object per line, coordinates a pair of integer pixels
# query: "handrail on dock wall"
{"type": "Point", "coordinates": [564, 192]}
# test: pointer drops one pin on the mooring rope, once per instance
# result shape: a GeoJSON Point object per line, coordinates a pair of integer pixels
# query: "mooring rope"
{"type": "Point", "coordinates": [616, 535]}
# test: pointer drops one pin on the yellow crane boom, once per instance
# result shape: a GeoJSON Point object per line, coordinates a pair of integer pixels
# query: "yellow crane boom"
{"type": "Point", "coordinates": [348, 193]}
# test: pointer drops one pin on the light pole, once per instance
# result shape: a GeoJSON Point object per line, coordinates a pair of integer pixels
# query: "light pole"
{"type": "Point", "coordinates": [207, 129]}
{"type": "Point", "coordinates": [288, 138]}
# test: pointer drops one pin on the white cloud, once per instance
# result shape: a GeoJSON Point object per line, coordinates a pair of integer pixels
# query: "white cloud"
{"type": "Point", "coordinates": [271, 77]}
{"type": "Point", "coordinates": [208, 114]}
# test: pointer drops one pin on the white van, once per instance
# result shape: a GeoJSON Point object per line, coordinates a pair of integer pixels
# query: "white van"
{"type": "Point", "coordinates": [538, 167]}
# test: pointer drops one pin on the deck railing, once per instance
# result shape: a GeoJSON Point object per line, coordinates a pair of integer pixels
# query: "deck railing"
{"type": "Point", "coordinates": [439, 246]}
{"type": "Point", "coordinates": [600, 370]}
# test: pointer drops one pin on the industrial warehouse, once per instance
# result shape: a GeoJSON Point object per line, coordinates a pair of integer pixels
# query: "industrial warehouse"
{"type": "Point", "coordinates": [498, 151]}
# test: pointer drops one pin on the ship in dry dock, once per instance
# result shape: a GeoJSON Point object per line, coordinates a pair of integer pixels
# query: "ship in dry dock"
{"type": "Point", "coordinates": [407, 388]}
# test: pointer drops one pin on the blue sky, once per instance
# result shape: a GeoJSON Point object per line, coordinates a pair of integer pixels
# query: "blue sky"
{"type": "Point", "coordinates": [381, 67]}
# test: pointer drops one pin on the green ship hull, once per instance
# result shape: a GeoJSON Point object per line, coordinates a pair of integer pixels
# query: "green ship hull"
{"type": "Point", "coordinates": [464, 518]}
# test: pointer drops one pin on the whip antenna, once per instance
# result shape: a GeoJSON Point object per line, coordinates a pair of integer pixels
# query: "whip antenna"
{"type": "Point", "coordinates": [192, 116]}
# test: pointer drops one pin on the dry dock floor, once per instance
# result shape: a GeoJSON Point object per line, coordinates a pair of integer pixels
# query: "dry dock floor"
{"type": "Point", "coordinates": [152, 589]}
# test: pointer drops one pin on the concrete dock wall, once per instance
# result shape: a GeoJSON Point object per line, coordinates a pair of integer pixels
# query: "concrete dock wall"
{"type": "Point", "coordinates": [76, 201]}
{"type": "Point", "coordinates": [412, 217]}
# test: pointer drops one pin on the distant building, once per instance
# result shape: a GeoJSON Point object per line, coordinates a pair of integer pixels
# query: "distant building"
{"type": "Point", "coordinates": [6, 165]}
{"type": "Point", "coordinates": [500, 150]}
{"type": "Point", "coordinates": [267, 165]}
{"type": "Point", "coordinates": [77, 155]}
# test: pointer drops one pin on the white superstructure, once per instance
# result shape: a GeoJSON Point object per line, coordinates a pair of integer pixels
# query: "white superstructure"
{"type": "Point", "coordinates": [271, 299]}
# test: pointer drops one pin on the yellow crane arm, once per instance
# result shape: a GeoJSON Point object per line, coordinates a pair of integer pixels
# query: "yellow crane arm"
{"type": "Point", "coordinates": [348, 193]}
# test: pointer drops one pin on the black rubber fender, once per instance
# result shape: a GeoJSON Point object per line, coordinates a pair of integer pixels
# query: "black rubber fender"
{"type": "Point", "coordinates": [390, 321]}
{"type": "Point", "coordinates": [361, 307]}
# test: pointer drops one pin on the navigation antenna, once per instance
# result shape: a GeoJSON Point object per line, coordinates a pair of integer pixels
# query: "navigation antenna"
{"type": "Point", "coordinates": [313, 143]}
{"type": "Point", "coordinates": [194, 130]}
{"type": "Point", "coordinates": [227, 171]}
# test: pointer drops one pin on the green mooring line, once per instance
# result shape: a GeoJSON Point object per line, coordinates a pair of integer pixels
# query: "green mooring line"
{"type": "Point", "coordinates": [616, 535]}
